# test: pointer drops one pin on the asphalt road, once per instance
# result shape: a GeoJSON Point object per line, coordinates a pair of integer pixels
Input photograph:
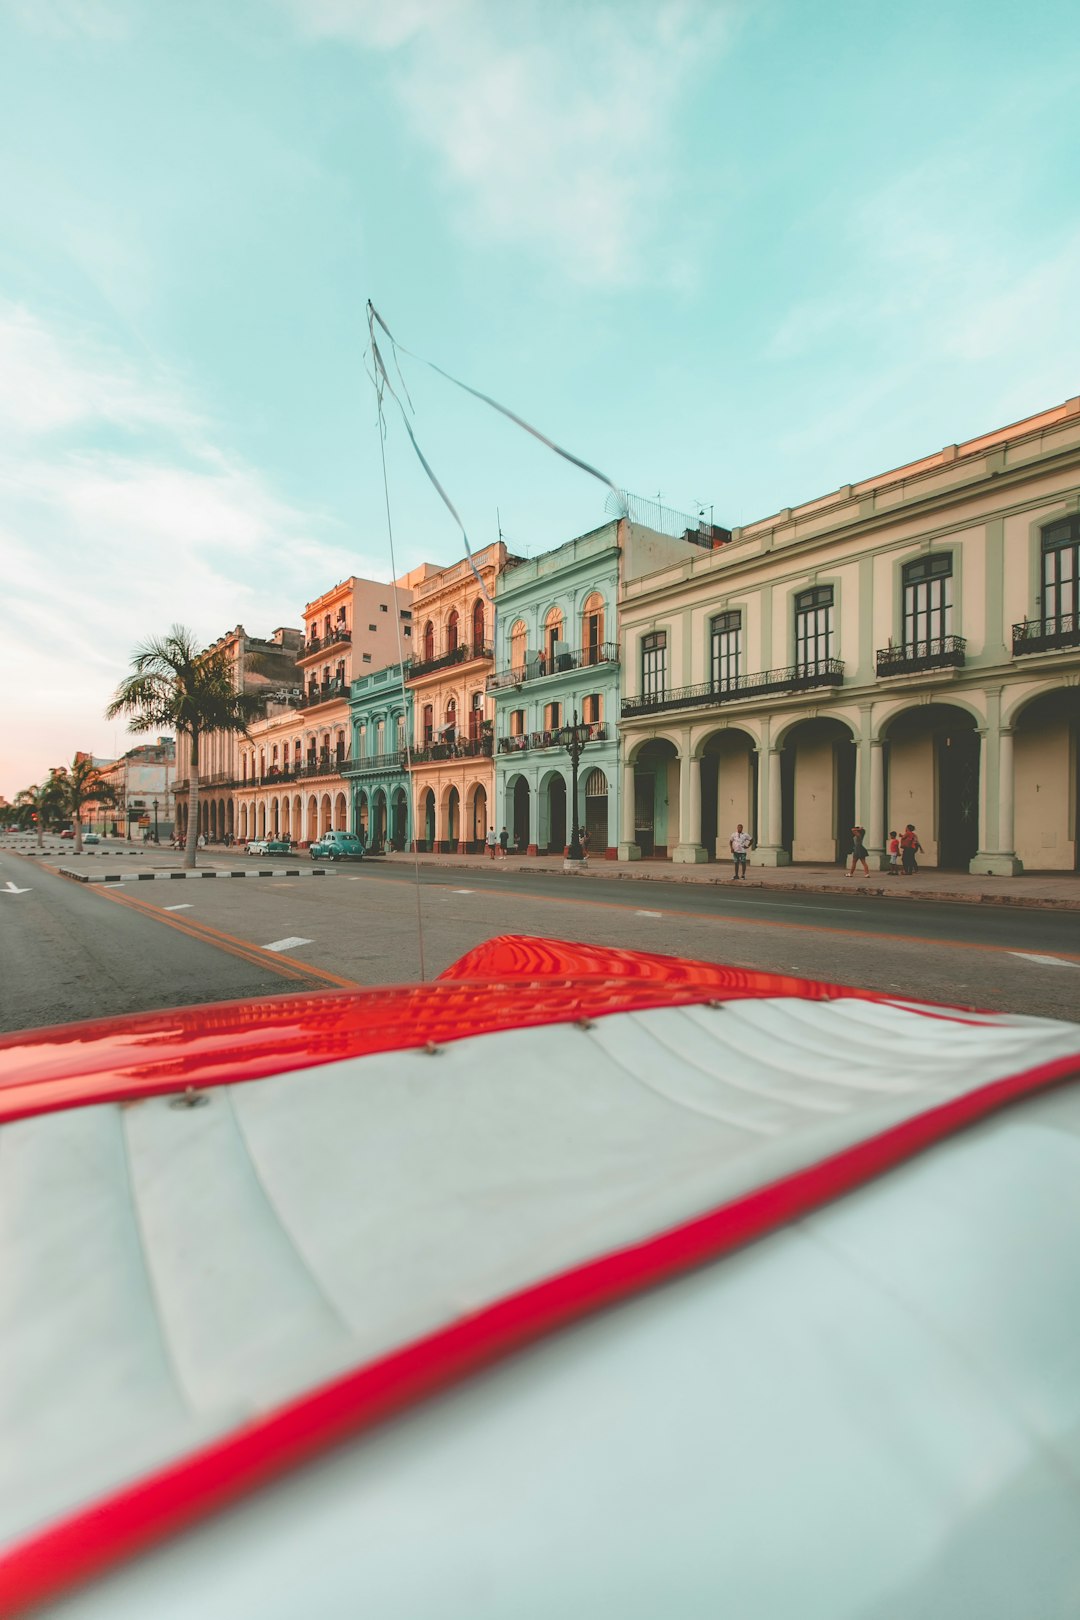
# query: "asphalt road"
{"type": "Point", "coordinates": [70, 950]}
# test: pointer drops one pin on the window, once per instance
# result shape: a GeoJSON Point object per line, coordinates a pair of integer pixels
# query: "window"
{"type": "Point", "coordinates": [927, 599]}
{"type": "Point", "coordinates": [401, 731]}
{"type": "Point", "coordinates": [452, 631]}
{"type": "Point", "coordinates": [517, 722]}
{"type": "Point", "coordinates": [478, 624]}
{"type": "Point", "coordinates": [429, 642]}
{"type": "Point", "coordinates": [476, 715]}
{"type": "Point", "coordinates": [725, 650]}
{"type": "Point", "coordinates": [373, 627]}
{"type": "Point", "coordinates": [340, 746]}
{"type": "Point", "coordinates": [518, 634]}
{"type": "Point", "coordinates": [1061, 570]}
{"type": "Point", "coordinates": [592, 628]}
{"type": "Point", "coordinates": [406, 613]}
{"type": "Point", "coordinates": [428, 725]}
{"type": "Point", "coordinates": [553, 717]}
{"type": "Point", "coordinates": [361, 742]}
{"type": "Point", "coordinates": [592, 709]}
{"type": "Point", "coordinates": [408, 630]}
{"type": "Point", "coordinates": [339, 673]}
{"type": "Point", "coordinates": [813, 627]}
{"type": "Point", "coordinates": [553, 634]}
{"type": "Point", "coordinates": [654, 664]}
{"type": "Point", "coordinates": [365, 658]}
{"type": "Point", "coordinates": [383, 608]}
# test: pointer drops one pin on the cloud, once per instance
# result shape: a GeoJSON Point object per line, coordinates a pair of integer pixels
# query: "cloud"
{"type": "Point", "coordinates": [67, 19]}
{"type": "Point", "coordinates": [553, 129]}
{"type": "Point", "coordinates": [120, 512]}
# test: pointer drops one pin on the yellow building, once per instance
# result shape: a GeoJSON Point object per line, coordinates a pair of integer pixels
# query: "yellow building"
{"type": "Point", "coordinates": [904, 650]}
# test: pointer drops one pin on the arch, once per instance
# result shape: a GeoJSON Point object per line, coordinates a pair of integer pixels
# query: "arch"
{"type": "Point", "coordinates": [453, 628]}
{"type": "Point", "coordinates": [312, 818]}
{"type": "Point", "coordinates": [286, 820]}
{"type": "Point", "coordinates": [1018, 701]}
{"type": "Point", "coordinates": [595, 798]}
{"type": "Point", "coordinates": [262, 819]}
{"type": "Point", "coordinates": [656, 794]}
{"type": "Point", "coordinates": [932, 761]}
{"type": "Point", "coordinates": [729, 786]}
{"type": "Point", "coordinates": [517, 814]}
{"type": "Point", "coordinates": [592, 628]}
{"type": "Point", "coordinates": [476, 814]}
{"type": "Point", "coordinates": [635, 749]}
{"type": "Point", "coordinates": [554, 625]}
{"type": "Point", "coordinates": [230, 819]}
{"type": "Point", "coordinates": [363, 816]}
{"type": "Point", "coordinates": [275, 818]}
{"type": "Point", "coordinates": [817, 787]}
{"type": "Point", "coordinates": [326, 814]}
{"type": "Point", "coordinates": [479, 638]}
{"type": "Point", "coordinates": [1046, 779]}
{"type": "Point", "coordinates": [553, 807]}
{"type": "Point", "coordinates": [341, 812]}
{"type": "Point", "coordinates": [519, 635]}
{"type": "Point", "coordinates": [399, 818]}
{"type": "Point", "coordinates": [244, 823]}
{"type": "Point", "coordinates": [426, 818]}
{"type": "Point", "coordinates": [451, 819]}
{"type": "Point", "coordinates": [379, 817]}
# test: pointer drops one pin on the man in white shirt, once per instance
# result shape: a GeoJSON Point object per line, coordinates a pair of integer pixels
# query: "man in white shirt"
{"type": "Point", "coordinates": [740, 847]}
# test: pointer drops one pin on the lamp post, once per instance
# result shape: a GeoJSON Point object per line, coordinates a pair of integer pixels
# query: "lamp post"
{"type": "Point", "coordinates": [573, 738]}
{"type": "Point", "coordinates": [155, 821]}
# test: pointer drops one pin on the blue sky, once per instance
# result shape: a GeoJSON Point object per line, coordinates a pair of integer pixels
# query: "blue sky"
{"type": "Point", "coordinates": [735, 252]}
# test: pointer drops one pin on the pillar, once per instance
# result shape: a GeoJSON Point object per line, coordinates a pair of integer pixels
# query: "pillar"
{"type": "Point", "coordinates": [769, 852]}
{"type": "Point", "coordinates": [689, 850]}
{"type": "Point", "coordinates": [997, 792]}
{"type": "Point", "coordinates": [534, 818]}
{"type": "Point", "coordinates": [876, 828]}
{"type": "Point", "coordinates": [628, 846]}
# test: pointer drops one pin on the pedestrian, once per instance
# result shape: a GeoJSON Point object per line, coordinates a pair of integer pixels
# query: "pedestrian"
{"type": "Point", "coordinates": [894, 855]}
{"type": "Point", "coordinates": [492, 841]}
{"type": "Point", "coordinates": [200, 842]}
{"type": "Point", "coordinates": [504, 839]}
{"type": "Point", "coordinates": [583, 840]}
{"type": "Point", "coordinates": [909, 848]}
{"type": "Point", "coordinates": [858, 851]}
{"type": "Point", "coordinates": [740, 843]}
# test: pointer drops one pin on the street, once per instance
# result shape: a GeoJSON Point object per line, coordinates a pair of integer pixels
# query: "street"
{"type": "Point", "coordinates": [70, 950]}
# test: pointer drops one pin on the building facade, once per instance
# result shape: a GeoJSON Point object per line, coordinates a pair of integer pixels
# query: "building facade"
{"type": "Point", "coordinates": [453, 651]}
{"type": "Point", "coordinates": [905, 650]}
{"type": "Point", "coordinates": [144, 781]}
{"type": "Point", "coordinates": [380, 710]}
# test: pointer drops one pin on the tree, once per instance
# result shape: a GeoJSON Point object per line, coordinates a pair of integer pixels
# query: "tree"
{"type": "Point", "coordinates": [77, 785]}
{"type": "Point", "coordinates": [38, 804]}
{"type": "Point", "coordinates": [173, 683]}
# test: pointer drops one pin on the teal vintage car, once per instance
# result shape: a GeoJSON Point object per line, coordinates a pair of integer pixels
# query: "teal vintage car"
{"type": "Point", "coordinates": [337, 846]}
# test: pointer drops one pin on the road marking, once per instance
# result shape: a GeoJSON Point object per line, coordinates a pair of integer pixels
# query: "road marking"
{"type": "Point", "coordinates": [11, 889]}
{"type": "Point", "coordinates": [289, 944]}
{"type": "Point", "coordinates": [185, 907]}
{"type": "Point", "coordinates": [1043, 961]}
{"type": "Point", "coordinates": [648, 913]}
{"type": "Point", "coordinates": [462, 891]}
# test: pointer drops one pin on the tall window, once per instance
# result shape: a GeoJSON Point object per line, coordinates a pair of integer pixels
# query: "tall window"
{"type": "Point", "coordinates": [725, 650]}
{"type": "Point", "coordinates": [400, 738]}
{"type": "Point", "coordinates": [552, 716]}
{"type": "Point", "coordinates": [928, 599]}
{"type": "Point", "coordinates": [361, 741]}
{"type": "Point", "coordinates": [553, 633]}
{"type": "Point", "coordinates": [813, 627]}
{"type": "Point", "coordinates": [518, 635]}
{"type": "Point", "coordinates": [476, 715]}
{"type": "Point", "coordinates": [592, 711]}
{"type": "Point", "coordinates": [427, 730]}
{"type": "Point", "coordinates": [478, 624]}
{"type": "Point", "coordinates": [654, 664]}
{"type": "Point", "coordinates": [429, 642]}
{"type": "Point", "coordinates": [1061, 570]}
{"type": "Point", "coordinates": [450, 725]}
{"type": "Point", "coordinates": [339, 745]}
{"type": "Point", "coordinates": [517, 722]}
{"type": "Point", "coordinates": [452, 631]}
{"type": "Point", "coordinates": [592, 628]}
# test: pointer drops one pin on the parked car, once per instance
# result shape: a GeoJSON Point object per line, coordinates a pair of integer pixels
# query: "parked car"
{"type": "Point", "coordinates": [337, 846]}
{"type": "Point", "coordinates": [277, 846]}
{"type": "Point", "coordinates": [68, 832]}
{"type": "Point", "coordinates": [257, 846]}
{"type": "Point", "coordinates": [91, 838]}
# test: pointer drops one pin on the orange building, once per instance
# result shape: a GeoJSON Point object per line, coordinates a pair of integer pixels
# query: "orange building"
{"type": "Point", "coordinates": [453, 649]}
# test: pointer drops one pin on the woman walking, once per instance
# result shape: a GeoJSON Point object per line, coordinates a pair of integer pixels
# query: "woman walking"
{"type": "Point", "coordinates": [909, 848]}
{"type": "Point", "coordinates": [858, 851]}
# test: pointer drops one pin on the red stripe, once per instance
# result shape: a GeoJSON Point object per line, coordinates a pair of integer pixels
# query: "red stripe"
{"type": "Point", "coordinates": [134, 1518]}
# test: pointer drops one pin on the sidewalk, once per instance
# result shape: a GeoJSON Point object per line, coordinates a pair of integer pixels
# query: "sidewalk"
{"type": "Point", "coordinates": [958, 888]}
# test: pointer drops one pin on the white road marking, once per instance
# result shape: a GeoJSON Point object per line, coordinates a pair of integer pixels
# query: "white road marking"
{"type": "Point", "coordinates": [1043, 961]}
{"type": "Point", "coordinates": [648, 913]}
{"type": "Point", "coordinates": [185, 907]}
{"type": "Point", "coordinates": [463, 891]}
{"type": "Point", "coordinates": [11, 889]}
{"type": "Point", "coordinates": [288, 944]}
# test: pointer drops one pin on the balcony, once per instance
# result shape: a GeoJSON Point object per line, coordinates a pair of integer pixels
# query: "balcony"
{"type": "Point", "coordinates": [598, 732]}
{"type": "Point", "coordinates": [1046, 635]}
{"type": "Point", "coordinates": [463, 654]}
{"type": "Point", "coordinates": [587, 658]}
{"type": "Point", "coordinates": [373, 764]}
{"type": "Point", "coordinates": [327, 693]}
{"type": "Point", "coordinates": [338, 636]}
{"type": "Point", "coordinates": [463, 748]}
{"type": "Point", "coordinates": [941, 652]}
{"type": "Point", "coordinates": [334, 765]}
{"type": "Point", "coordinates": [800, 678]}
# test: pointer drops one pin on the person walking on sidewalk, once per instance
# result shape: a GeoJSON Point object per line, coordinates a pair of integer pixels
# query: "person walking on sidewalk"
{"type": "Point", "coordinates": [492, 842]}
{"type": "Point", "coordinates": [909, 848]}
{"type": "Point", "coordinates": [740, 843]}
{"type": "Point", "coordinates": [894, 855]}
{"type": "Point", "coordinates": [858, 851]}
{"type": "Point", "coordinates": [504, 839]}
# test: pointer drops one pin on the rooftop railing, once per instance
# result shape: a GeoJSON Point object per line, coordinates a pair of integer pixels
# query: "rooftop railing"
{"type": "Point", "coordinates": [798, 678]}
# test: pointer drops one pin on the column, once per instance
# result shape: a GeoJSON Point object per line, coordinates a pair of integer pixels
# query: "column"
{"type": "Point", "coordinates": [628, 846]}
{"type": "Point", "coordinates": [534, 817]}
{"type": "Point", "coordinates": [769, 852]}
{"type": "Point", "coordinates": [689, 849]}
{"type": "Point", "coordinates": [1006, 835]}
{"type": "Point", "coordinates": [776, 815]}
{"type": "Point", "coordinates": [997, 791]}
{"type": "Point", "coordinates": [876, 825]}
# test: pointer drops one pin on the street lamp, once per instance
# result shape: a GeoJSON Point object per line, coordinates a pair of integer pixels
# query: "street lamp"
{"type": "Point", "coordinates": [155, 821]}
{"type": "Point", "coordinates": [573, 738]}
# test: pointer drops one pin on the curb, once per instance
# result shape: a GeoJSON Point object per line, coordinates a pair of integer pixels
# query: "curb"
{"type": "Point", "coordinates": [159, 877]}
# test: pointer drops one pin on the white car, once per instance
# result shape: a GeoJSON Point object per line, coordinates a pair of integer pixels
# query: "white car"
{"type": "Point", "coordinates": [257, 846]}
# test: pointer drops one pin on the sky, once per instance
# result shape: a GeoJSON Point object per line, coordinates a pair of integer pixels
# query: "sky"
{"type": "Point", "coordinates": [735, 253]}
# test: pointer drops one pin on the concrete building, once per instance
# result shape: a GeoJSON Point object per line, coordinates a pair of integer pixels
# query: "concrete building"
{"type": "Point", "coordinates": [557, 655]}
{"type": "Point", "coordinates": [905, 649]}
{"type": "Point", "coordinates": [144, 780]}
{"type": "Point", "coordinates": [381, 721]}
{"type": "Point", "coordinates": [453, 651]}
{"type": "Point", "coordinates": [291, 765]}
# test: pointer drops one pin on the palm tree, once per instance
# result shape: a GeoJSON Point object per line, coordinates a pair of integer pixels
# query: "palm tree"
{"type": "Point", "coordinates": [77, 785]}
{"type": "Point", "coordinates": [36, 803]}
{"type": "Point", "coordinates": [173, 683]}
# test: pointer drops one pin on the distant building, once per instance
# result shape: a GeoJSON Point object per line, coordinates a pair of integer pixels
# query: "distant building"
{"type": "Point", "coordinates": [380, 711]}
{"type": "Point", "coordinates": [144, 781]}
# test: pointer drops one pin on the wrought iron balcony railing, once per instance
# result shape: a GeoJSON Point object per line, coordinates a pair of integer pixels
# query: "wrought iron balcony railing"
{"type": "Point", "coordinates": [1046, 635]}
{"type": "Point", "coordinates": [597, 732]}
{"type": "Point", "coordinates": [372, 764]}
{"type": "Point", "coordinates": [940, 652]}
{"type": "Point", "coordinates": [462, 748]}
{"type": "Point", "coordinates": [314, 644]}
{"type": "Point", "coordinates": [326, 693]}
{"type": "Point", "coordinates": [799, 678]}
{"type": "Point", "coordinates": [606, 652]}
{"type": "Point", "coordinates": [460, 655]}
